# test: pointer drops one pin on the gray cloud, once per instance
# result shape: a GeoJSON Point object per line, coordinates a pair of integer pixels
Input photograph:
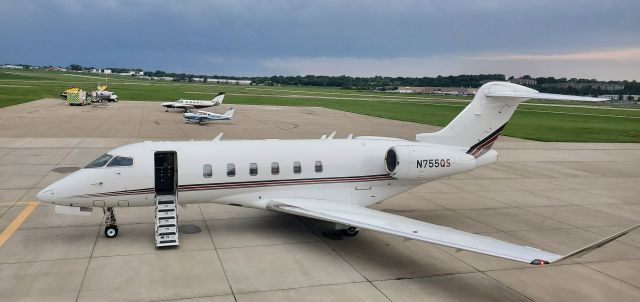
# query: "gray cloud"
{"type": "Point", "coordinates": [252, 37]}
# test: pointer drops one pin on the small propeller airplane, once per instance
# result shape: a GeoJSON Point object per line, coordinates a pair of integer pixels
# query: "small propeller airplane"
{"type": "Point", "coordinates": [186, 105]}
{"type": "Point", "coordinates": [203, 117]}
{"type": "Point", "coordinates": [329, 179]}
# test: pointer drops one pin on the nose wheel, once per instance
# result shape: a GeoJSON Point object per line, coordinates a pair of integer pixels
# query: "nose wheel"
{"type": "Point", "coordinates": [111, 230]}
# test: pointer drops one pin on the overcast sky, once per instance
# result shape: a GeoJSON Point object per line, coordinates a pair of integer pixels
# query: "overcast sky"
{"type": "Point", "coordinates": [569, 38]}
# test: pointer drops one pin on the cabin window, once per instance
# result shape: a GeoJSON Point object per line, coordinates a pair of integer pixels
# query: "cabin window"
{"type": "Point", "coordinates": [318, 166]}
{"type": "Point", "coordinates": [275, 168]}
{"type": "Point", "coordinates": [297, 168]}
{"type": "Point", "coordinates": [100, 161]}
{"type": "Point", "coordinates": [231, 170]}
{"type": "Point", "coordinates": [121, 161]}
{"type": "Point", "coordinates": [207, 171]}
{"type": "Point", "coordinates": [253, 169]}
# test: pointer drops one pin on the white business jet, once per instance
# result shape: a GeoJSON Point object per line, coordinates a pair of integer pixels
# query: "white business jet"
{"type": "Point", "coordinates": [326, 179]}
{"type": "Point", "coordinates": [203, 117]}
{"type": "Point", "coordinates": [186, 105]}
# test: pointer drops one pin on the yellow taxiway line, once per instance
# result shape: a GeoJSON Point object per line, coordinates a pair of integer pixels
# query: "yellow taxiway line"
{"type": "Point", "coordinates": [17, 222]}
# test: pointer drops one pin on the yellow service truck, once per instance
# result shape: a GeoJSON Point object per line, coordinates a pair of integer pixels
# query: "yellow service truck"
{"type": "Point", "coordinates": [78, 97]}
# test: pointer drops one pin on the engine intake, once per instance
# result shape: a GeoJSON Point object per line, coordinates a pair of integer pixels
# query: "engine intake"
{"type": "Point", "coordinates": [423, 162]}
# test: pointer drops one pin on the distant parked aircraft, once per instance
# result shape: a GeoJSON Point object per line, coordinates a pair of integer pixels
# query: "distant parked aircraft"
{"type": "Point", "coordinates": [190, 104]}
{"type": "Point", "coordinates": [205, 116]}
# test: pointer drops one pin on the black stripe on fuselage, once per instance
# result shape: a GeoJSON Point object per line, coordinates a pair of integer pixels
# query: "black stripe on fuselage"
{"type": "Point", "coordinates": [249, 184]}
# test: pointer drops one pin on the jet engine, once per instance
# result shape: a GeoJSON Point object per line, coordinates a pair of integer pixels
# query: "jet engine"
{"type": "Point", "coordinates": [423, 162]}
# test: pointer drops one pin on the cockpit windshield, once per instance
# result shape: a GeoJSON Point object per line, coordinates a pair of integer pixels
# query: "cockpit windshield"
{"type": "Point", "coordinates": [121, 161]}
{"type": "Point", "coordinates": [100, 161]}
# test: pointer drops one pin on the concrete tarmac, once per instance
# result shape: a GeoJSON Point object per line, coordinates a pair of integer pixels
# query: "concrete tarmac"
{"type": "Point", "coordinates": [555, 196]}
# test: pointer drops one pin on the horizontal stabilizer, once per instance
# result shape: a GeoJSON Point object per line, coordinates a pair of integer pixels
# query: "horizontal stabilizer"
{"type": "Point", "coordinates": [542, 96]}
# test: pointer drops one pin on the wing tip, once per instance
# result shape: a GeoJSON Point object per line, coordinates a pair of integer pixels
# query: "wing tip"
{"type": "Point", "coordinates": [539, 262]}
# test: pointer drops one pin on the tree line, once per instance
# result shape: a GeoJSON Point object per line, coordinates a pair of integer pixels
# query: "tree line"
{"type": "Point", "coordinates": [392, 83]}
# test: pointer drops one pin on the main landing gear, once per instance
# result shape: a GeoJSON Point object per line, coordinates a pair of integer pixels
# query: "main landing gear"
{"type": "Point", "coordinates": [349, 231]}
{"type": "Point", "coordinates": [111, 230]}
{"type": "Point", "coordinates": [341, 231]}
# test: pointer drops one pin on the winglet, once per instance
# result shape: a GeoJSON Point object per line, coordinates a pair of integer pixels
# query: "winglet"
{"type": "Point", "coordinates": [591, 247]}
{"type": "Point", "coordinates": [217, 138]}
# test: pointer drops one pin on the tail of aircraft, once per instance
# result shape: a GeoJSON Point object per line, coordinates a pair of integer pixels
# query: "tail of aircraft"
{"type": "Point", "coordinates": [478, 126]}
{"type": "Point", "coordinates": [229, 113]}
{"type": "Point", "coordinates": [217, 100]}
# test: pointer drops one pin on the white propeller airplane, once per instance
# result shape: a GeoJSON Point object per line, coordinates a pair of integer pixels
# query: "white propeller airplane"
{"type": "Point", "coordinates": [327, 179]}
{"type": "Point", "coordinates": [202, 116]}
{"type": "Point", "coordinates": [190, 104]}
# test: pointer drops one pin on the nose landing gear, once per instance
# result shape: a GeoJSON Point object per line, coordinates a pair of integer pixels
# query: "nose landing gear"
{"type": "Point", "coordinates": [111, 230]}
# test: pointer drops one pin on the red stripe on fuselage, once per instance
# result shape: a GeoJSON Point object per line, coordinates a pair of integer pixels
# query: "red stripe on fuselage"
{"type": "Point", "coordinates": [250, 184]}
{"type": "Point", "coordinates": [488, 142]}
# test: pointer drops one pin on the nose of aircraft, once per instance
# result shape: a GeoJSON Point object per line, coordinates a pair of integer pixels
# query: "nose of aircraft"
{"type": "Point", "coordinates": [47, 194]}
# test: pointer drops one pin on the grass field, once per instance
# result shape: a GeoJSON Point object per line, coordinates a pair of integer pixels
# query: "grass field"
{"type": "Point", "coordinates": [544, 121]}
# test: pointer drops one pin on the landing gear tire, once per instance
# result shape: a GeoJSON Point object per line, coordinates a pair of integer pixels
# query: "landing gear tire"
{"type": "Point", "coordinates": [111, 231]}
{"type": "Point", "coordinates": [349, 232]}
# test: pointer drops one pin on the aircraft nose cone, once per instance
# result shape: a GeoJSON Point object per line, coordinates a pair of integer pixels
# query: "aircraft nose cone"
{"type": "Point", "coordinates": [47, 195]}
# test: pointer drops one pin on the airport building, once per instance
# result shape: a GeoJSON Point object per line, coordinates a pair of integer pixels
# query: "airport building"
{"type": "Point", "coordinates": [11, 66]}
{"type": "Point", "coordinates": [228, 81]}
{"type": "Point", "coordinates": [594, 85]}
{"type": "Point", "coordinates": [621, 97]}
{"type": "Point", "coordinates": [438, 90]}
{"type": "Point", "coordinates": [524, 81]}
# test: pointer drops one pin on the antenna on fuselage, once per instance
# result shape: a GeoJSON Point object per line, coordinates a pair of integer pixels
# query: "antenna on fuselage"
{"type": "Point", "coordinates": [217, 138]}
{"type": "Point", "coordinates": [350, 136]}
{"type": "Point", "coordinates": [331, 135]}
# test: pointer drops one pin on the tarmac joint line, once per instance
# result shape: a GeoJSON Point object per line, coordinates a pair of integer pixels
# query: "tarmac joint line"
{"type": "Point", "coordinates": [17, 222]}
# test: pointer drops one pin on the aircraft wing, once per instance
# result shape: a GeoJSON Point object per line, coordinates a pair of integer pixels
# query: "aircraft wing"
{"type": "Point", "coordinates": [362, 217]}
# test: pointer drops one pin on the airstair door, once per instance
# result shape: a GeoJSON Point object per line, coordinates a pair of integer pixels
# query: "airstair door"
{"type": "Point", "coordinates": [166, 172]}
{"type": "Point", "coordinates": [166, 187]}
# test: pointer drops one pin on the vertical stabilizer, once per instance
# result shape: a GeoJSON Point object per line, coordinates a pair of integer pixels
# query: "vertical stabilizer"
{"type": "Point", "coordinates": [217, 100]}
{"type": "Point", "coordinates": [229, 113]}
{"type": "Point", "coordinates": [477, 127]}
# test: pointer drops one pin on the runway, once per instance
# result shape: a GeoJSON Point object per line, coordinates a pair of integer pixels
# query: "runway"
{"type": "Point", "coordinates": [554, 196]}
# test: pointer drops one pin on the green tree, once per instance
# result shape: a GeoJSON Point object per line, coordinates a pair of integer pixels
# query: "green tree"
{"type": "Point", "coordinates": [76, 67]}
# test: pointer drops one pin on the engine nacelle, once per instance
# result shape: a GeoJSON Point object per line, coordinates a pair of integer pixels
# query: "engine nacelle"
{"type": "Point", "coordinates": [422, 162]}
